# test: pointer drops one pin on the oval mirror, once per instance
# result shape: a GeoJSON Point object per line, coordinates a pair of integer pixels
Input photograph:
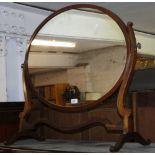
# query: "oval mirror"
{"type": "Point", "coordinates": [77, 57]}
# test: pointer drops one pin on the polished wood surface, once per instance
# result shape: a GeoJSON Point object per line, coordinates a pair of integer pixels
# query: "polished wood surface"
{"type": "Point", "coordinates": [145, 120]}
{"type": "Point", "coordinates": [145, 114]}
{"type": "Point", "coordinates": [9, 119]}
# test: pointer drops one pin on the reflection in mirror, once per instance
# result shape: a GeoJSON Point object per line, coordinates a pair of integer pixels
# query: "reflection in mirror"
{"type": "Point", "coordinates": [77, 57]}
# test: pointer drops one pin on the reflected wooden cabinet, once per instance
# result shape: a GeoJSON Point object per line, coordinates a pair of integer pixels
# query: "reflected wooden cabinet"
{"type": "Point", "coordinates": [53, 92]}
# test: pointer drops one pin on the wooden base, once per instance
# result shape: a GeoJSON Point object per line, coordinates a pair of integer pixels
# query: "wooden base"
{"type": "Point", "coordinates": [24, 134]}
{"type": "Point", "coordinates": [129, 137]}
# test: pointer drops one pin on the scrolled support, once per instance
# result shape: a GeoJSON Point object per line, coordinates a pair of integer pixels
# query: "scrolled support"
{"type": "Point", "coordinates": [123, 111]}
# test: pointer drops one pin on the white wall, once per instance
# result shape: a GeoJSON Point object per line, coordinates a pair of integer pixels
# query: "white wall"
{"type": "Point", "coordinates": [3, 92]}
{"type": "Point", "coordinates": [14, 58]}
{"type": "Point", "coordinates": [18, 20]}
{"type": "Point", "coordinates": [16, 27]}
{"type": "Point", "coordinates": [54, 60]}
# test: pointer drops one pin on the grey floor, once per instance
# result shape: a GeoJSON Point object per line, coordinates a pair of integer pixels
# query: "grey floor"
{"type": "Point", "coordinates": [81, 146]}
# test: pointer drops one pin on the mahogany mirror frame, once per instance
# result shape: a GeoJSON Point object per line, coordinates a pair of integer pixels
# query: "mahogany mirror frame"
{"type": "Point", "coordinates": [124, 78]}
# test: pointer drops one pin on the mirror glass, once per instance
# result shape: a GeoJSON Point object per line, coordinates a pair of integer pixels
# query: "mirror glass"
{"type": "Point", "coordinates": [77, 57]}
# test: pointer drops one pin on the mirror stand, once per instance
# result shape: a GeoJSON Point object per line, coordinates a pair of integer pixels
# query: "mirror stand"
{"type": "Point", "coordinates": [31, 127]}
{"type": "Point", "coordinates": [129, 116]}
{"type": "Point", "coordinates": [132, 134]}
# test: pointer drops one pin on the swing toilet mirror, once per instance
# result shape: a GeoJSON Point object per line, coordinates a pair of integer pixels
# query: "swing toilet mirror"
{"type": "Point", "coordinates": [77, 56]}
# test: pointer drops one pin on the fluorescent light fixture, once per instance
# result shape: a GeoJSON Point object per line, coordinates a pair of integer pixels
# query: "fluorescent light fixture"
{"type": "Point", "coordinates": [38, 42]}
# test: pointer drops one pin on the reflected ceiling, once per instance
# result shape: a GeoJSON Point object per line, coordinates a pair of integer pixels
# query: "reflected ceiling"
{"type": "Point", "coordinates": [140, 13]}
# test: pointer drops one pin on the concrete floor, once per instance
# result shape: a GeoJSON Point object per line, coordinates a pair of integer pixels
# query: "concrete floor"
{"type": "Point", "coordinates": [81, 146]}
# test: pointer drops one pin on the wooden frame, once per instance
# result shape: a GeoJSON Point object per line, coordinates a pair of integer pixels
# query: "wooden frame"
{"type": "Point", "coordinates": [27, 127]}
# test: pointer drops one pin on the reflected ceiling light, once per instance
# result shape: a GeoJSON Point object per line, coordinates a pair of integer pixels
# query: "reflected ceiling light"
{"type": "Point", "coordinates": [38, 42]}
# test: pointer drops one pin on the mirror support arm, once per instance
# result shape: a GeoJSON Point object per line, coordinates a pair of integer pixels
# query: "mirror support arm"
{"type": "Point", "coordinates": [129, 70]}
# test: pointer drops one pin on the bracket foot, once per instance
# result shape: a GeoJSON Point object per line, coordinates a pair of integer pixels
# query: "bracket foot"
{"type": "Point", "coordinates": [24, 135]}
{"type": "Point", "coordinates": [129, 137]}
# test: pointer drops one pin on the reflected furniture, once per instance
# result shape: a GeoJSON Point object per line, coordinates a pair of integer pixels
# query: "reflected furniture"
{"type": "Point", "coordinates": [53, 93]}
